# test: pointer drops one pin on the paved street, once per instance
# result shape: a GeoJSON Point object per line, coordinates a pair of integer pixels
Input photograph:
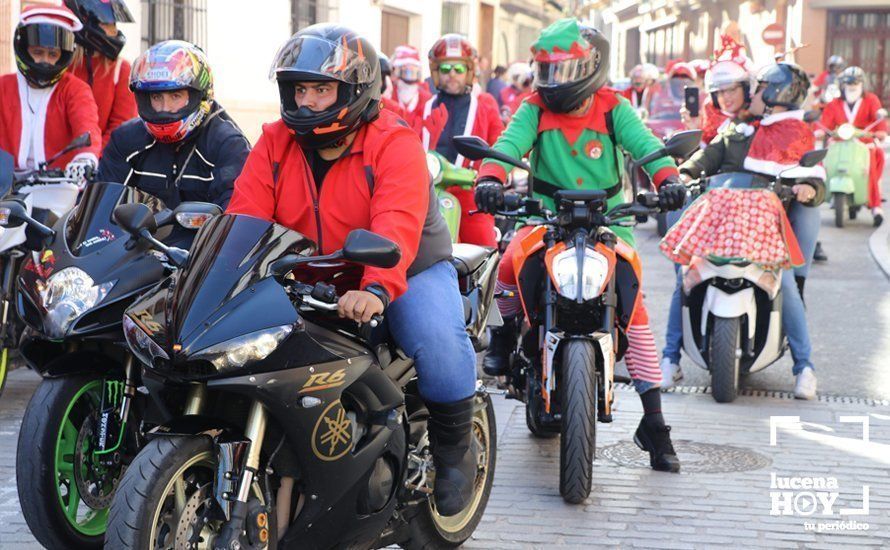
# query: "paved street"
{"type": "Point", "coordinates": [723, 495]}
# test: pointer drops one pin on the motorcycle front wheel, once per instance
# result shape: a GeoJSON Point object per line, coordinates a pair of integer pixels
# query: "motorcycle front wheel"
{"type": "Point", "coordinates": [840, 208]}
{"type": "Point", "coordinates": [64, 496]}
{"type": "Point", "coordinates": [724, 358]}
{"type": "Point", "coordinates": [165, 497]}
{"type": "Point", "coordinates": [577, 444]}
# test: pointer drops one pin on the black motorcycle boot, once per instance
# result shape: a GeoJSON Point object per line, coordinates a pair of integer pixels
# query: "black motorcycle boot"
{"type": "Point", "coordinates": [819, 254]}
{"type": "Point", "coordinates": [653, 436]}
{"type": "Point", "coordinates": [451, 440]}
{"type": "Point", "coordinates": [502, 343]}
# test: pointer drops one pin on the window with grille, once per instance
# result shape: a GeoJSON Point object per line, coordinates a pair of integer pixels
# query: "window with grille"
{"type": "Point", "coordinates": [174, 20]}
{"type": "Point", "coordinates": [6, 37]}
{"type": "Point", "coordinates": [309, 12]}
{"type": "Point", "coordinates": [455, 17]}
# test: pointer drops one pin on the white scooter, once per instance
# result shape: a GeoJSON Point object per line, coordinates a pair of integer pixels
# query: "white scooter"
{"type": "Point", "coordinates": [732, 312]}
{"type": "Point", "coordinates": [47, 195]}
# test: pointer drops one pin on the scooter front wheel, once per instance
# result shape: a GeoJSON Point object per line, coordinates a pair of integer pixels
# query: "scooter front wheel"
{"type": "Point", "coordinates": [840, 209]}
{"type": "Point", "coordinates": [724, 358]}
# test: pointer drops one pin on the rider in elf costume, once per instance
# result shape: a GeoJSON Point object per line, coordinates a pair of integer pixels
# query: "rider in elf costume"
{"type": "Point", "coordinates": [574, 127]}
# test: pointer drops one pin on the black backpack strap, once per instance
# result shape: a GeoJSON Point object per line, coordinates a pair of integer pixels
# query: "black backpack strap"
{"type": "Point", "coordinates": [610, 129]}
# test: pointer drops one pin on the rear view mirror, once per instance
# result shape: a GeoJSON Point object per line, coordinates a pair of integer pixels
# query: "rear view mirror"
{"type": "Point", "coordinates": [83, 140]}
{"type": "Point", "coordinates": [12, 213]}
{"type": "Point", "coordinates": [475, 148]}
{"type": "Point", "coordinates": [193, 215]}
{"type": "Point", "coordinates": [7, 173]}
{"type": "Point", "coordinates": [135, 218]}
{"type": "Point", "coordinates": [812, 158]}
{"type": "Point", "coordinates": [683, 144]}
{"type": "Point", "coordinates": [368, 248]}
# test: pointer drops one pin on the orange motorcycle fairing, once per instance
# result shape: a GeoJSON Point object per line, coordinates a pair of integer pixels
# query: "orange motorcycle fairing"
{"type": "Point", "coordinates": [529, 245]}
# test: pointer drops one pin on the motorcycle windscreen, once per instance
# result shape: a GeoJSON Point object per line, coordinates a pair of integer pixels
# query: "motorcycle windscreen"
{"type": "Point", "coordinates": [91, 226]}
{"type": "Point", "coordinates": [737, 180]}
{"type": "Point", "coordinates": [230, 255]}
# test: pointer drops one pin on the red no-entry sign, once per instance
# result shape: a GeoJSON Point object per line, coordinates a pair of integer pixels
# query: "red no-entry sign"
{"type": "Point", "coordinates": [774, 35]}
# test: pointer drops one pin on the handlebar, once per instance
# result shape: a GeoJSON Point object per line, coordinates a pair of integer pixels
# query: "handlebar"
{"type": "Point", "coordinates": [516, 206]}
{"type": "Point", "coordinates": [323, 297]}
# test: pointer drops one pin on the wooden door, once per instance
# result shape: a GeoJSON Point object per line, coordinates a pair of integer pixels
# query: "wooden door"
{"type": "Point", "coordinates": [862, 38]}
{"type": "Point", "coordinates": [394, 32]}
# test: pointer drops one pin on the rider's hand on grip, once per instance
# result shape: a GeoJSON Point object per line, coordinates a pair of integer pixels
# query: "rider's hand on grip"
{"type": "Point", "coordinates": [489, 195]}
{"type": "Point", "coordinates": [671, 194]}
{"type": "Point", "coordinates": [512, 202]}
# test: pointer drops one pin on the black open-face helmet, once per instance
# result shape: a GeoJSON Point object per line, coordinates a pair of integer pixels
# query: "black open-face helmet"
{"type": "Point", "coordinates": [565, 77]}
{"type": "Point", "coordinates": [328, 52]}
{"type": "Point", "coordinates": [783, 84]}
{"type": "Point", "coordinates": [93, 14]}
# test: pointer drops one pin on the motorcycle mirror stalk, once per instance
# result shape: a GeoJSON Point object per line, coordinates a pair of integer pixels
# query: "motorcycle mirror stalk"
{"type": "Point", "coordinates": [475, 148]}
{"type": "Point", "coordinates": [361, 247]}
{"type": "Point", "coordinates": [138, 220]}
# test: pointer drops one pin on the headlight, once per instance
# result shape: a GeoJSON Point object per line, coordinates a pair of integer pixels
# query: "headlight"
{"type": "Point", "coordinates": [237, 352]}
{"type": "Point", "coordinates": [66, 295]}
{"type": "Point", "coordinates": [143, 347]}
{"type": "Point", "coordinates": [434, 165]}
{"type": "Point", "coordinates": [846, 132]}
{"type": "Point", "coordinates": [593, 279]}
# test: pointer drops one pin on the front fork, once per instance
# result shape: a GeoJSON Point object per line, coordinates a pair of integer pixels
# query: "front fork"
{"type": "Point", "coordinates": [237, 466]}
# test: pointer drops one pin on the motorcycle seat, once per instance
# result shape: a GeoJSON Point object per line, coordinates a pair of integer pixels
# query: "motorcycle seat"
{"type": "Point", "coordinates": [467, 258]}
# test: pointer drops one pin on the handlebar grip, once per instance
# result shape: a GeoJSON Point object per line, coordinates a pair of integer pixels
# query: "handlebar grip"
{"type": "Point", "coordinates": [376, 320]}
{"type": "Point", "coordinates": [649, 200]}
{"type": "Point", "coordinates": [513, 202]}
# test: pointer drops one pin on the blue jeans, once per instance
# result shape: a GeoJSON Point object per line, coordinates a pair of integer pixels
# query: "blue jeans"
{"type": "Point", "coordinates": [805, 221]}
{"type": "Point", "coordinates": [427, 322]}
{"type": "Point", "coordinates": [673, 338]}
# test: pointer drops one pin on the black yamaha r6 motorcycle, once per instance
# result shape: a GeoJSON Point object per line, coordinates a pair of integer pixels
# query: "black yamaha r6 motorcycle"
{"type": "Point", "coordinates": [298, 430]}
{"type": "Point", "coordinates": [83, 424]}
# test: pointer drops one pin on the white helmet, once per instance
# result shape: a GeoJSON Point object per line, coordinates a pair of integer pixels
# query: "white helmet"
{"type": "Point", "coordinates": [726, 73]}
{"type": "Point", "coordinates": [519, 72]}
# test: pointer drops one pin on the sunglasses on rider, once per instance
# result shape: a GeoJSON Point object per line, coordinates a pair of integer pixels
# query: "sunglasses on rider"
{"type": "Point", "coordinates": [459, 68]}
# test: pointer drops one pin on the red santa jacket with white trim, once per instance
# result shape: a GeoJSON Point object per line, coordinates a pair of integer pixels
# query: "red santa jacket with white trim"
{"type": "Point", "coordinates": [483, 120]}
{"type": "Point", "coordinates": [863, 113]}
{"type": "Point", "coordinates": [111, 90]}
{"type": "Point", "coordinates": [71, 111]}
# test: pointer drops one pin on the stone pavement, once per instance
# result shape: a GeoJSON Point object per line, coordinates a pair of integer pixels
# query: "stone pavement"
{"type": "Point", "coordinates": [721, 497]}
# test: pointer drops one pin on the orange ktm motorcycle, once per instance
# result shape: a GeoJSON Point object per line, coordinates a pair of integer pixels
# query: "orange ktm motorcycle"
{"type": "Point", "coordinates": [579, 285]}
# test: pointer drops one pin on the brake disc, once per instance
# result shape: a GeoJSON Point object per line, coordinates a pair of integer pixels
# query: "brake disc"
{"type": "Point", "coordinates": [96, 483]}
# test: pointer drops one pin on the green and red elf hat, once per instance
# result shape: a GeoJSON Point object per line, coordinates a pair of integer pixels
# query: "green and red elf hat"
{"type": "Point", "coordinates": [561, 41]}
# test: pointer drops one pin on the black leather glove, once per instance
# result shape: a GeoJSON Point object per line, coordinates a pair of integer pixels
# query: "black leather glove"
{"type": "Point", "coordinates": [489, 195]}
{"type": "Point", "coordinates": [671, 194]}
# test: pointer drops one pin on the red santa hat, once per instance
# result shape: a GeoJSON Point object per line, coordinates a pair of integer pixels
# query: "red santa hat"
{"type": "Point", "coordinates": [679, 69]}
{"type": "Point", "coordinates": [405, 55]}
{"type": "Point", "coordinates": [51, 14]}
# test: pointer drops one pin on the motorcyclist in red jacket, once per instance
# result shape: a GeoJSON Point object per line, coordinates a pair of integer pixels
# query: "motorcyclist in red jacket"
{"type": "Point", "coordinates": [335, 162]}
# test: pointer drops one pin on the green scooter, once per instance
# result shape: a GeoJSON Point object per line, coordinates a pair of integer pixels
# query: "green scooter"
{"type": "Point", "coordinates": [847, 166]}
{"type": "Point", "coordinates": [446, 175]}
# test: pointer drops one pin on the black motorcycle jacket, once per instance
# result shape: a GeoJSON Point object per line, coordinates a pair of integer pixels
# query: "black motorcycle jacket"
{"type": "Point", "coordinates": [200, 168]}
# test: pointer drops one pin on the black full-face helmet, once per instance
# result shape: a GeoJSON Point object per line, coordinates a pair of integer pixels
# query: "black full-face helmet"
{"type": "Point", "coordinates": [783, 85]}
{"type": "Point", "coordinates": [571, 62]}
{"type": "Point", "coordinates": [328, 52]}
{"type": "Point", "coordinates": [93, 14]}
{"type": "Point", "coordinates": [46, 27]}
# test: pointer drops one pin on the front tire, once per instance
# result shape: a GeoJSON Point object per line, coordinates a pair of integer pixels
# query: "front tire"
{"type": "Point", "coordinates": [46, 464]}
{"type": "Point", "coordinates": [840, 209]}
{"type": "Point", "coordinates": [577, 388]}
{"type": "Point", "coordinates": [4, 368]}
{"type": "Point", "coordinates": [724, 358]}
{"type": "Point", "coordinates": [427, 529]}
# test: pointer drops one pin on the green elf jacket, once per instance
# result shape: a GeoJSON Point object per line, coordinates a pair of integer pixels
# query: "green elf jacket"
{"type": "Point", "coordinates": [576, 152]}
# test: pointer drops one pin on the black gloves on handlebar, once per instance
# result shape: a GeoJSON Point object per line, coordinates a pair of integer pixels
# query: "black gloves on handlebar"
{"type": "Point", "coordinates": [671, 194]}
{"type": "Point", "coordinates": [489, 195]}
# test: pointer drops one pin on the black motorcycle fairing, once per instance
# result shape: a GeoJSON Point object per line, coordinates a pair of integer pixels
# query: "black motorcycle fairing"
{"type": "Point", "coordinates": [334, 481]}
{"type": "Point", "coordinates": [91, 227]}
{"type": "Point", "coordinates": [129, 264]}
{"type": "Point", "coordinates": [230, 256]}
